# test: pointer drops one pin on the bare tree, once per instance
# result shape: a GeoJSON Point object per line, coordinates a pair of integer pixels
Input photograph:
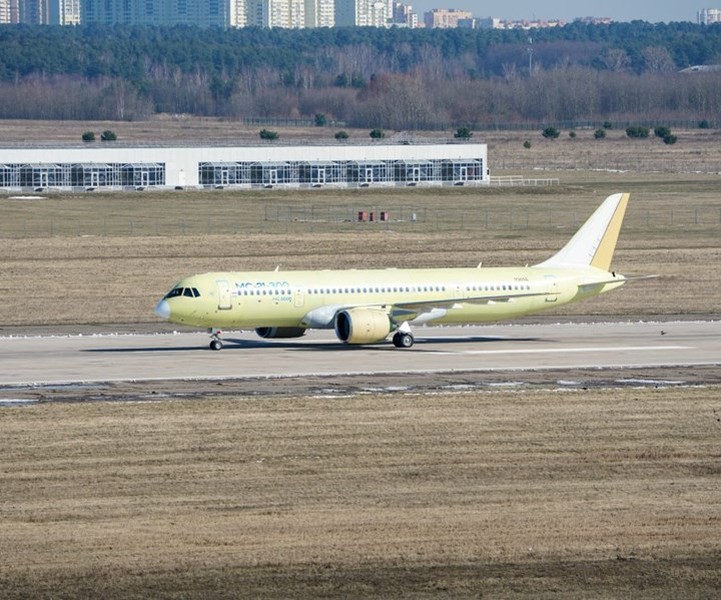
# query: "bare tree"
{"type": "Point", "coordinates": [658, 59]}
{"type": "Point", "coordinates": [616, 59]}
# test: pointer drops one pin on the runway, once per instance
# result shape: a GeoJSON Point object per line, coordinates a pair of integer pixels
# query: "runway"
{"type": "Point", "coordinates": [76, 359]}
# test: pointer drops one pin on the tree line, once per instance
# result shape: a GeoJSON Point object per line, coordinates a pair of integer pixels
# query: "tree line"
{"type": "Point", "coordinates": [367, 77]}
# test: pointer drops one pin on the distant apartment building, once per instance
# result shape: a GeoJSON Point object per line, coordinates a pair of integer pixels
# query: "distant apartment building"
{"type": "Point", "coordinates": [34, 12]}
{"type": "Point", "coordinates": [6, 11]}
{"type": "Point", "coordinates": [495, 23]}
{"type": "Point", "coordinates": [489, 23]}
{"type": "Point", "coordinates": [525, 24]}
{"type": "Point", "coordinates": [238, 15]}
{"type": "Point", "coordinates": [288, 14]}
{"type": "Point", "coordinates": [403, 16]}
{"type": "Point", "coordinates": [361, 13]}
{"type": "Point", "coordinates": [65, 12]}
{"type": "Point", "coordinates": [594, 20]}
{"type": "Point", "coordinates": [204, 13]}
{"type": "Point", "coordinates": [444, 18]}
{"type": "Point", "coordinates": [707, 16]}
{"type": "Point", "coordinates": [319, 13]}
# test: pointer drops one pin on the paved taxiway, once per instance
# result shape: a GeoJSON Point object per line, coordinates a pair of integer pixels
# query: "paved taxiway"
{"type": "Point", "coordinates": [105, 358]}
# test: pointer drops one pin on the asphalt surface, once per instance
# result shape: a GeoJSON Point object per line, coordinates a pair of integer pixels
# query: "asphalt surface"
{"type": "Point", "coordinates": [73, 366]}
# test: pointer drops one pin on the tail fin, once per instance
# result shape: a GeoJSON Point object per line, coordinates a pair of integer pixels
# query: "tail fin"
{"type": "Point", "coordinates": [594, 243]}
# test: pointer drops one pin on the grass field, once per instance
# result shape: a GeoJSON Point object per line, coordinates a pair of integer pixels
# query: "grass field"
{"type": "Point", "coordinates": [110, 257]}
{"type": "Point", "coordinates": [548, 492]}
{"type": "Point", "coordinates": [500, 494]}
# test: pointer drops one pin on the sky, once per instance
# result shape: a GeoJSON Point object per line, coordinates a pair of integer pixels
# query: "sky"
{"type": "Point", "coordinates": [653, 11]}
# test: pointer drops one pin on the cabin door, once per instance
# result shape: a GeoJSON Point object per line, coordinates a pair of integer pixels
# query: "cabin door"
{"type": "Point", "coordinates": [298, 298]}
{"type": "Point", "coordinates": [225, 302]}
{"type": "Point", "coordinates": [551, 288]}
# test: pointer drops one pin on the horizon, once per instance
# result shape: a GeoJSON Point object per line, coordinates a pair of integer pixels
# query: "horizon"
{"type": "Point", "coordinates": [565, 10]}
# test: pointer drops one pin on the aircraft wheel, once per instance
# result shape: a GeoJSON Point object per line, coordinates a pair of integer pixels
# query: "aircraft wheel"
{"type": "Point", "coordinates": [403, 340]}
{"type": "Point", "coordinates": [216, 344]}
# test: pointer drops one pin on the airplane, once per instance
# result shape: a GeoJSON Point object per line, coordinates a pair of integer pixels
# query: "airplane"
{"type": "Point", "coordinates": [366, 306]}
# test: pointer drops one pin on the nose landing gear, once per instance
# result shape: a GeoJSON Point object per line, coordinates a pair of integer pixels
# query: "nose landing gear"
{"type": "Point", "coordinates": [215, 342]}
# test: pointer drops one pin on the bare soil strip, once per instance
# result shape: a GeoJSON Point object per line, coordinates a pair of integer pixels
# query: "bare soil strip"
{"type": "Point", "coordinates": [336, 386]}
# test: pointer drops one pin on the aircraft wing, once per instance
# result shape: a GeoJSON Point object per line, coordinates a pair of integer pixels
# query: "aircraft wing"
{"type": "Point", "coordinates": [324, 316]}
{"type": "Point", "coordinates": [405, 311]}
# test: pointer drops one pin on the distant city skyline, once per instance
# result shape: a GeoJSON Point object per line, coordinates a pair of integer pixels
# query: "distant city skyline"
{"type": "Point", "coordinates": [329, 13]}
{"type": "Point", "coordinates": [567, 10]}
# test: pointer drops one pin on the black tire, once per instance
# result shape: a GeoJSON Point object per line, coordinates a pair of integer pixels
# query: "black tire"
{"type": "Point", "coordinates": [403, 340]}
{"type": "Point", "coordinates": [216, 345]}
{"type": "Point", "coordinates": [407, 340]}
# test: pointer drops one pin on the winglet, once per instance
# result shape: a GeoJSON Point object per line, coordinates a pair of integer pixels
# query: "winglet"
{"type": "Point", "coordinates": [594, 243]}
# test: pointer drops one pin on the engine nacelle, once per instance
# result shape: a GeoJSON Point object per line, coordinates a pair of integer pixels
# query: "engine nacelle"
{"type": "Point", "coordinates": [362, 325]}
{"type": "Point", "coordinates": [280, 332]}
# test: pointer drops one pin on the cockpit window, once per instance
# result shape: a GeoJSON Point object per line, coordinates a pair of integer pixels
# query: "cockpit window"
{"type": "Point", "coordinates": [187, 292]}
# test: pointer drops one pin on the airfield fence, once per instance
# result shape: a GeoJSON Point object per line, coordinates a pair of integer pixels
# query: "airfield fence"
{"type": "Point", "coordinates": [396, 218]}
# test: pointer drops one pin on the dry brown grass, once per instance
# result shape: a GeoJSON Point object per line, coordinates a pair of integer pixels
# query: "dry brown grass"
{"type": "Point", "coordinates": [537, 494]}
{"type": "Point", "coordinates": [697, 150]}
{"type": "Point", "coordinates": [672, 228]}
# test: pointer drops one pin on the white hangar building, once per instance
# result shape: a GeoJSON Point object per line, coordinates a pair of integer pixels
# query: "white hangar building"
{"type": "Point", "coordinates": [113, 166]}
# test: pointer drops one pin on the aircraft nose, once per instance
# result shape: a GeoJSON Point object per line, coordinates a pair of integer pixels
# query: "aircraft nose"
{"type": "Point", "coordinates": [162, 309]}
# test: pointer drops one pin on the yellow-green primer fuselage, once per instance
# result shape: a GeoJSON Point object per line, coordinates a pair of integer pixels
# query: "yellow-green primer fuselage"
{"type": "Point", "coordinates": [365, 306]}
{"type": "Point", "coordinates": [285, 299]}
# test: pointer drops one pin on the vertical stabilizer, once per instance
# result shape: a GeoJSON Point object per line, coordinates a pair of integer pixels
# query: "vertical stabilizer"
{"type": "Point", "coordinates": [594, 243]}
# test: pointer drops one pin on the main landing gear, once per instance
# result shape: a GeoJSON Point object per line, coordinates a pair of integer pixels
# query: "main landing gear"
{"type": "Point", "coordinates": [215, 342]}
{"type": "Point", "coordinates": [403, 339]}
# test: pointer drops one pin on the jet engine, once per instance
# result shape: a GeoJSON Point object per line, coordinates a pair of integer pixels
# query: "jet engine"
{"type": "Point", "coordinates": [280, 332]}
{"type": "Point", "coordinates": [362, 325]}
